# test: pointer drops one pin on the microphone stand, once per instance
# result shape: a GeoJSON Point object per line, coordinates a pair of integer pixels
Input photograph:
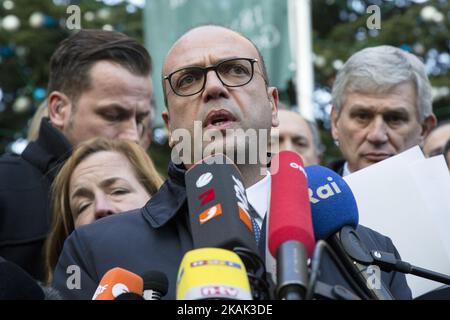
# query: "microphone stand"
{"type": "Point", "coordinates": [388, 262]}
{"type": "Point", "coordinates": [317, 288]}
{"type": "Point", "coordinates": [256, 273]}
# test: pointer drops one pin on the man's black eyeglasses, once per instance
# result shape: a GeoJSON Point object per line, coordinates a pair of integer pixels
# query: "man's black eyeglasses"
{"type": "Point", "coordinates": [234, 72]}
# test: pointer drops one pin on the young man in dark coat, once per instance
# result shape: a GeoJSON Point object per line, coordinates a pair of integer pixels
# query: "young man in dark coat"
{"type": "Point", "coordinates": [99, 86]}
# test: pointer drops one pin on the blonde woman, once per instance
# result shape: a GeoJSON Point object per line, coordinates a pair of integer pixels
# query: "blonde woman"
{"type": "Point", "coordinates": [101, 178]}
{"type": "Point", "coordinates": [33, 129]}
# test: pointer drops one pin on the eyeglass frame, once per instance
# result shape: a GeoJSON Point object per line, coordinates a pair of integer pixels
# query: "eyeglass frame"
{"type": "Point", "coordinates": [214, 68]}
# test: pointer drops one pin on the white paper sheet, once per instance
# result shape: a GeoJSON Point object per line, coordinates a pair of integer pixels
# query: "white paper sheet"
{"type": "Point", "coordinates": [392, 200]}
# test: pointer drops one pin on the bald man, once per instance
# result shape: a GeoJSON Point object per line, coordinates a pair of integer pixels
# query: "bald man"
{"type": "Point", "coordinates": [214, 77]}
{"type": "Point", "coordinates": [294, 133]}
{"type": "Point", "coordinates": [436, 140]}
{"type": "Point", "coordinates": [447, 153]}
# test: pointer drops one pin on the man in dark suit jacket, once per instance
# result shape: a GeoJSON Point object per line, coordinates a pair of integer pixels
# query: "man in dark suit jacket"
{"type": "Point", "coordinates": [297, 134]}
{"type": "Point", "coordinates": [214, 77]}
{"type": "Point", "coordinates": [156, 237]}
{"type": "Point", "coordinates": [382, 106]}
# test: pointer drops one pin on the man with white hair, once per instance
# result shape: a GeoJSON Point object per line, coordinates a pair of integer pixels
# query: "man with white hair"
{"type": "Point", "coordinates": [381, 107]}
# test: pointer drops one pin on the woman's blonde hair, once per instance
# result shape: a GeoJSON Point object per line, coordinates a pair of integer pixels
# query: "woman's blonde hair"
{"type": "Point", "coordinates": [63, 224]}
{"type": "Point", "coordinates": [35, 124]}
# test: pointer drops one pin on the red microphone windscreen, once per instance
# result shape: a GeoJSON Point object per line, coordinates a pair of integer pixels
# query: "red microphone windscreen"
{"type": "Point", "coordinates": [290, 210]}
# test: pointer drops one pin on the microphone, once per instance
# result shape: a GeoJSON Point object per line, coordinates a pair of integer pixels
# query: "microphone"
{"type": "Point", "coordinates": [17, 284]}
{"type": "Point", "coordinates": [291, 236]}
{"type": "Point", "coordinates": [335, 217]}
{"type": "Point", "coordinates": [219, 214]}
{"type": "Point", "coordinates": [116, 282]}
{"type": "Point", "coordinates": [129, 296]}
{"type": "Point", "coordinates": [210, 274]}
{"type": "Point", "coordinates": [218, 206]}
{"type": "Point", "coordinates": [156, 285]}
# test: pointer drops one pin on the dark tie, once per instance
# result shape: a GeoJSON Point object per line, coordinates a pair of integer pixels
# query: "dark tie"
{"type": "Point", "coordinates": [256, 230]}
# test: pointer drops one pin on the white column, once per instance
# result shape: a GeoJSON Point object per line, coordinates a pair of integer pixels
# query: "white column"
{"type": "Point", "coordinates": [301, 42]}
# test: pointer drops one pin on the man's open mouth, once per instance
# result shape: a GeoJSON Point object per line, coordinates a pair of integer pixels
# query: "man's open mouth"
{"type": "Point", "coordinates": [219, 119]}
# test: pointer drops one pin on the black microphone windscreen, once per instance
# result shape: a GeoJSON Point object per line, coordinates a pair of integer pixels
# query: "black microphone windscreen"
{"type": "Point", "coordinates": [219, 211]}
{"type": "Point", "coordinates": [129, 296]}
{"type": "Point", "coordinates": [156, 280]}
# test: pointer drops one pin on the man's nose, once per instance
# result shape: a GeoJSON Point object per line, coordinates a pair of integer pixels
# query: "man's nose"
{"type": "Point", "coordinates": [130, 131]}
{"type": "Point", "coordinates": [214, 88]}
{"type": "Point", "coordinates": [378, 131]}
{"type": "Point", "coordinates": [286, 144]}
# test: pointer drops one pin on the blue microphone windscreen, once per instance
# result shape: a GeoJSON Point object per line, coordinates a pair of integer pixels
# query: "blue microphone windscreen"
{"type": "Point", "coordinates": [333, 205]}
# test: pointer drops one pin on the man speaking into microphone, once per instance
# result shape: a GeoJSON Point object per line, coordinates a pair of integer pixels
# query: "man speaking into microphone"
{"type": "Point", "coordinates": [215, 83]}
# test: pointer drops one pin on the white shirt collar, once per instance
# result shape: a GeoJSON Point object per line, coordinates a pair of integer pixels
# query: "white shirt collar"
{"type": "Point", "coordinates": [258, 196]}
{"type": "Point", "coordinates": [346, 170]}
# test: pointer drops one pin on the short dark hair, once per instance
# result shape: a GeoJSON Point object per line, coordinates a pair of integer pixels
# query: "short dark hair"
{"type": "Point", "coordinates": [71, 62]}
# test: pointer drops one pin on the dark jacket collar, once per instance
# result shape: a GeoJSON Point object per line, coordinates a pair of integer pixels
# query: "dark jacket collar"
{"type": "Point", "coordinates": [169, 200]}
{"type": "Point", "coordinates": [337, 166]}
{"type": "Point", "coordinates": [48, 151]}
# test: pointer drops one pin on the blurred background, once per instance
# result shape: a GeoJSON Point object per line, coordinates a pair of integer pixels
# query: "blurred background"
{"type": "Point", "coordinates": [333, 29]}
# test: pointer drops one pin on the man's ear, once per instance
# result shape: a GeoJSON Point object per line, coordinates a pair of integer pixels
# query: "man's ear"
{"type": "Point", "coordinates": [274, 99]}
{"type": "Point", "coordinates": [166, 118]}
{"type": "Point", "coordinates": [334, 119]}
{"type": "Point", "coordinates": [428, 124]}
{"type": "Point", "coordinates": [59, 109]}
